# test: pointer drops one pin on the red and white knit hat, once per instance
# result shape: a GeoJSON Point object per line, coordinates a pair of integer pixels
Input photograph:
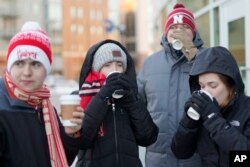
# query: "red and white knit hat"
{"type": "Point", "coordinates": [180, 15]}
{"type": "Point", "coordinates": [31, 42]}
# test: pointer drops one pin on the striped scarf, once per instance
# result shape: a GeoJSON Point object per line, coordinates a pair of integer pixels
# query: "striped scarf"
{"type": "Point", "coordinates": [90, 87]}
{"type": "Point", "coordinates": [36, 98]}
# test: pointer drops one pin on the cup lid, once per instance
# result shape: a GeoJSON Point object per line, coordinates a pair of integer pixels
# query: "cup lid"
{"type": "Point", "coordinates": [70, 99]}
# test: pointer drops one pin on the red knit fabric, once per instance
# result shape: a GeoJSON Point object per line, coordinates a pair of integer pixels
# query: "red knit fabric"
{"type": "Point", "coordinates": [91, 86]}
{"type": "Point", "coordinates": [180, 15]}
{"type": "Point", "coordinates": [33, 38]}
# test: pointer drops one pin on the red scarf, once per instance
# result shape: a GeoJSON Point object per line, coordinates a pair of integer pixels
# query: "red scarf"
{"type": "Point", "coordinates": [36, 98]}
{"type": "Point", "coordinates": [91, 86]}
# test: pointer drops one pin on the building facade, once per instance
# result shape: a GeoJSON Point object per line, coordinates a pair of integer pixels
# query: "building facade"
{"type": "Point", "coordinates": [83, 25]}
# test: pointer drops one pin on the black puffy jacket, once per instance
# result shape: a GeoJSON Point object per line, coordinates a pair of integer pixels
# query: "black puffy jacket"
{"type": "Point", "coordinates": [124, 130]}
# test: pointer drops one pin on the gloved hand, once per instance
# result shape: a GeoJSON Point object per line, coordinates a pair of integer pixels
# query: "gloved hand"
{"type": "Point", "coordinates": [129, 96]}
{"type": "Point", "coordinates": [202, 103]}
{"type": "Point", "coordinates": [112, 84]}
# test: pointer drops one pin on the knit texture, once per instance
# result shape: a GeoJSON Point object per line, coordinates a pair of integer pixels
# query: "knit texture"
{"type": "Point", "coordinates": [107, 53]}
{"type": "Point", "coordinates": [31, 42]}
{"type": "Point", "coordinates": [180, 15]}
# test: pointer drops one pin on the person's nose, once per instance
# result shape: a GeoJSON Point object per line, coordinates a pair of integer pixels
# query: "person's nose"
{"type": "Point", "coordinates": [114, 67]}
{"type": "Point", "coordinates": [27, 70]}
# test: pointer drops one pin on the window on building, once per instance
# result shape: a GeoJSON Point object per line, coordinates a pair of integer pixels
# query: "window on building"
{"type": "Point", "coordinates": [92, 14]}
{"type": "Point", "coordinates": [203, 26]}
{"type": "Point", "coordinates": [80, 12]}
{"type": "Point", "coordinates": [216, 27]}
{"type": "Point", "coordinates": [130, 24]}
{"type": "Point", "coordinates": [73, 12]}
{"type": "Point", "coordinates": [80, 29]}
{"type": "Point", "coordinates": [73, 28]}
{"type": "Point", "coordinates": [237, 40]}
{"type": "Point", "coordinates": [196, 5]}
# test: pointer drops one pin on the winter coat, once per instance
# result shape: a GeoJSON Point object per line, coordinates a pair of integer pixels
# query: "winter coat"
{"type": "Point", "coordinates": [124, 130]}
{"type": "Point", "coordinates": [163, 84]}
{"type": "Point", "coordinates": [23, 140]}
{"type": "Point", "coordinates": [224, 132]}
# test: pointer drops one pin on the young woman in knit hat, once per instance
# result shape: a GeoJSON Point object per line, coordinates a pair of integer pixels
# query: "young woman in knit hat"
{"type": "Point", "coordinates": [113, 125]}
{"type": "Point", "coordinates": [30, 131]}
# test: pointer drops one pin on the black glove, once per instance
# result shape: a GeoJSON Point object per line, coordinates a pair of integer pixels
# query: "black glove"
{"type": "Point", "coordinates": [202, 104]}
{"type": "Point", "coordinates": [112, 84]}
{"type": "Point", "coordinates": [129, 97]}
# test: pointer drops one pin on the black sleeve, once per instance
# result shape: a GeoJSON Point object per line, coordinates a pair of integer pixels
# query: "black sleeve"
{"type": "Point", "coordinates": [1, 142]}
{"type": "Point", "coordinates": [226, 136]}
{"type": "Point", "coordinates": [94, 116]}
{"type": "Point", "coordinates": [145, 130]}
{"type": "Point", "coordinates": [185, 138]}
{"type": "Point", "coordinates": [71, 145]}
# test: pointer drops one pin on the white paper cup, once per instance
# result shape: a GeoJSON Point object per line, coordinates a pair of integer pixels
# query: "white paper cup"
{"type": "Point", "coordinates": [177, 44]}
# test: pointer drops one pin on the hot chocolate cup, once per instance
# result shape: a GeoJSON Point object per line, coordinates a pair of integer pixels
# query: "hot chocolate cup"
{"type": "Point", "coordinates": [68, 104]}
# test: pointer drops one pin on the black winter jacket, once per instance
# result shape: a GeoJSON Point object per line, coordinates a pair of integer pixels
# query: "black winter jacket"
{"type": "Point", "coordinates": [227, 131]}
{"type": "Point", "coordinates": [23, 140]}
{"type": "Point", "coordinates": [125, 130]}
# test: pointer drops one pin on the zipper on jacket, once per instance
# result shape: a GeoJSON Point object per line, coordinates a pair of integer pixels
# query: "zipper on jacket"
{"type": "Point", "coordinates": [116, 140]}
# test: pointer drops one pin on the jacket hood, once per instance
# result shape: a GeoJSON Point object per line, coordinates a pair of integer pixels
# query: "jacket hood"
{"type": "Point", "coordinates": [197, 41]}
{"type": "Point", "coordinates": [218, 60]}
{"type": "Point", "coordinates": [87, 64]}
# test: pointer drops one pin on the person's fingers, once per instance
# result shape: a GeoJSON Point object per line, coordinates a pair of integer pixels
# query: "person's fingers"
{"type": "Point", "coordinates": [77, 121]}
{"type": "Point", "coordinates": [123, 80]}
{"type": "Point", "coordinates": [198, 100]}
{"type": "Point", "coordinates": [79, 109]}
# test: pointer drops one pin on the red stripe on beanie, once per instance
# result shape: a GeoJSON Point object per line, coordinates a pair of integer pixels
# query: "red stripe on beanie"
{"type": "Point", "coordinates": [34, 38]}
{"type": "Point", "coordinates": [31, 39]}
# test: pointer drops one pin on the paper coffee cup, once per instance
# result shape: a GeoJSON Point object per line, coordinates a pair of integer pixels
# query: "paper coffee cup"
{"type": "Point", "coordinates": [177, 44]}
{"type": "Point", "coordinates": [68, 105]}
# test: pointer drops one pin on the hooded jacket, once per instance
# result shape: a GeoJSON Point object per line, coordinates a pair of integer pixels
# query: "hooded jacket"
{"type": "Point", "coordinates": [163, 85]}
{"type": "Point", "coordinates": [125, 130]}
{"type": "Point", "coordinates": [224, 132]}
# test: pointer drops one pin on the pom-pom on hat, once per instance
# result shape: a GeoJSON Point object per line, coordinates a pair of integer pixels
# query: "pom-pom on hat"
{"type": "Point", "coordinates": [106, 53]}
{"type": "Point", "coordinates": [31, 42]}
{"type": "Point", "coordinates": [180, 15]}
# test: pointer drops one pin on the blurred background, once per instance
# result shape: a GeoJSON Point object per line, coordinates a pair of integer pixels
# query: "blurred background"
{"type": "Point", "coordinates": [74, 25]}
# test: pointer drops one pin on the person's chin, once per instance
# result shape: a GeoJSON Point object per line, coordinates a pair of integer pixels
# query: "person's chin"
{"type": "Point", "coordinates": [29, 87]}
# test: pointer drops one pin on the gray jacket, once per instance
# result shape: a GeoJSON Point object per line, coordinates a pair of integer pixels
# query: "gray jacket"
{"type": "Point", "coordinates": [163, 85]}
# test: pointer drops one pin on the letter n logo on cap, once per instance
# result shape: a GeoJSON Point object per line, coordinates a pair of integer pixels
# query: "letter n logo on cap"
{"type": "Point", "coordinates": [178, 19]}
